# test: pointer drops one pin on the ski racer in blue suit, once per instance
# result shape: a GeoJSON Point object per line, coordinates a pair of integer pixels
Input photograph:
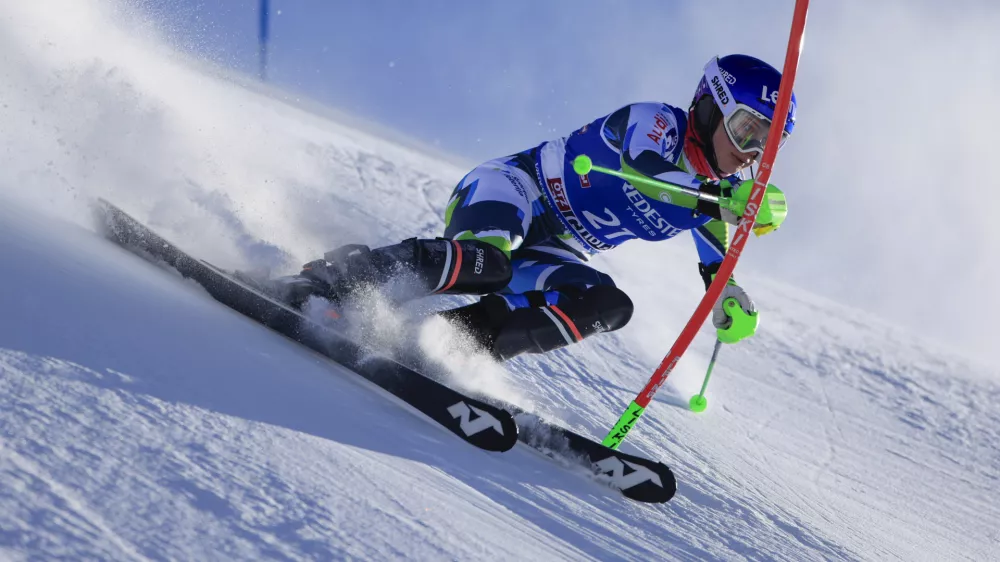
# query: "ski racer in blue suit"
{"type": "Point", "coordinates": [519, 229]}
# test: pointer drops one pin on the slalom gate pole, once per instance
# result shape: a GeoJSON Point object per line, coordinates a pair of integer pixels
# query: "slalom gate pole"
{"type": "Point", "coordinates": [263, 36]}
{"type": "Point", "coordinates": [635, 409]}
{"type": "Point", "coordinates": [698, 402]}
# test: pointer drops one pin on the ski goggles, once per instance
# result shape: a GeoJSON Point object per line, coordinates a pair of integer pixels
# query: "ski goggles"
{"type": "Point", "coordinates": [748, 129]}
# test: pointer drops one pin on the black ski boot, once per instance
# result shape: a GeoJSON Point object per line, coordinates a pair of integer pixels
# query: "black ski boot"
{"type": "Point", "coordinates": [506, 333]}
{"type": "Point", "coordinates": [439, 266]}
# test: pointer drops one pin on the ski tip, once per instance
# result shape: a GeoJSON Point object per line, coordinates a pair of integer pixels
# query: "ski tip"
{"type": "Point", "coordinates": [660, 490]}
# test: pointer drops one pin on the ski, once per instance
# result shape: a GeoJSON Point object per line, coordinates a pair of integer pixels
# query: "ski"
{"type": "Point", "coordinates": [478, 423]}
{"type": "Point", "coordinates": [637, 478]}
{"type": "Point", "coordinates": [481, 424]}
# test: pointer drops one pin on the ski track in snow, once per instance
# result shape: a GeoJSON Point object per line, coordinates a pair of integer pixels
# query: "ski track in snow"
{"type": "Point", "coordinates": [141, 420]}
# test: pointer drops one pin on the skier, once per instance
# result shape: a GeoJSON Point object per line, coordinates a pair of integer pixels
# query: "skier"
{"type": "Point", "coordinates": [520, 229]}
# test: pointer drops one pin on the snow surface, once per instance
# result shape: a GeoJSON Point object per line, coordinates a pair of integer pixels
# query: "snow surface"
{"type": "Point", "coordinates": [139, 419]}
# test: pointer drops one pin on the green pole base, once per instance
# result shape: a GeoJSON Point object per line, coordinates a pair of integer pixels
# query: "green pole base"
{"type": "Point", "coordinates": [698, 403]}
{"type": "Point", "coordinates": [624, 425]}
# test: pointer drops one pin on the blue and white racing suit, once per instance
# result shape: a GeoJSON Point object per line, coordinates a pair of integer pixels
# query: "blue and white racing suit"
{"type": "Point", "coordinates": [550, 220]}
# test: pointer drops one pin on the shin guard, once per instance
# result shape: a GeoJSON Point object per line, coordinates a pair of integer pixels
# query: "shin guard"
{"type": "Point", "coordinates": [507, 333]}
{"type": "Point", "coordinates": [440, 265]}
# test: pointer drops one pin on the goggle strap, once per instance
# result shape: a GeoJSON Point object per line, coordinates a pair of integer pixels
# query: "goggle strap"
{"type": "Point", "coordinates": [719, 88]}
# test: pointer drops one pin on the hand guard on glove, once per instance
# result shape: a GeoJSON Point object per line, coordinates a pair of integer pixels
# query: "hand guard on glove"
{"type": "Point", "coordinates": [734, 315]}
{"type": "Point", "coordinates": [733, 202]}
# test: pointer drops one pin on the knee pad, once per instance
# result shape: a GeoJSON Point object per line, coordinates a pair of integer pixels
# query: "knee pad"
{"type": "Point", "coordinates": [602, 308]}
{"type": "Point", "coordinates": [479, 268]}
{"type": "Point", "coordinates": [607, 306]}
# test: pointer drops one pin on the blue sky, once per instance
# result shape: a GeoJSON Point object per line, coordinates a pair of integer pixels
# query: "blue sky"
{"type": "Point", "coordinates": [885, 172]}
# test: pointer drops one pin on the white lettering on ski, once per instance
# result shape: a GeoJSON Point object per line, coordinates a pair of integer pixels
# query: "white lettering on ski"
{"type": "Point", "coordinates": [471, 427]}
{"type": "Point", "coordinates": [616, 468]}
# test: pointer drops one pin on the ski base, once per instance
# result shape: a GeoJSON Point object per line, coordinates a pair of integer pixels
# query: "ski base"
{"type": "Point", "coordinates": [478, 423]}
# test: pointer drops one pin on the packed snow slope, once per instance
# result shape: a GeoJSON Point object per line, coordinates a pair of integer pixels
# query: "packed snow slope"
{"type": "Point", "coordinates": [139, 419]}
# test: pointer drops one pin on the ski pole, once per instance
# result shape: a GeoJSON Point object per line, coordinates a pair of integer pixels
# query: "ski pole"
{"type": "Point", "coordinates": [698, 402]}
{"type": "Point", "coordinates": [583, 165]}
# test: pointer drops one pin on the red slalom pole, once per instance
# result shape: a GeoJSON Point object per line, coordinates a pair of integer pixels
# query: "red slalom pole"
{"type": "Point", "coordinates": [743, 229]}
